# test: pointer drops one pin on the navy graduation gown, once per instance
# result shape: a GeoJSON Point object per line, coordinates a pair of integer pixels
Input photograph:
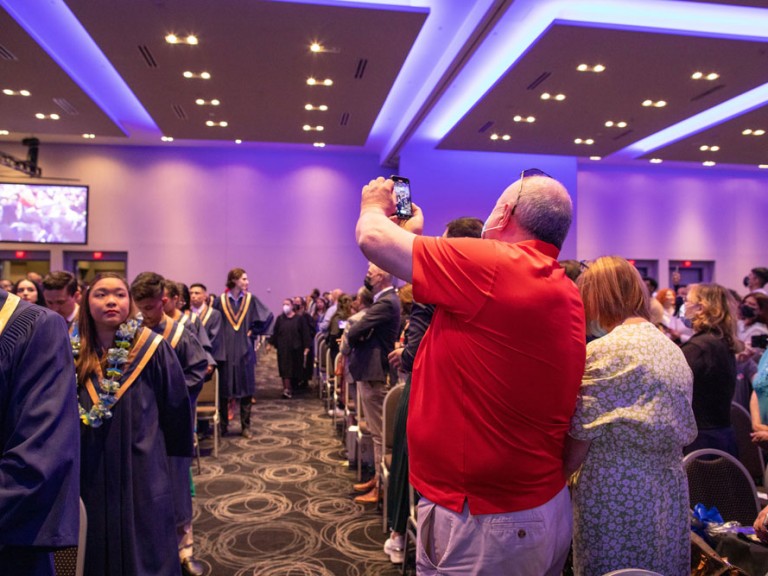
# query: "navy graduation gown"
{"type": "Point", "coordinates": [237, 378]}
{"type": "Point", "coordinates": [125, 477]}
{"type": "Point", "coordinates": [39, 447]}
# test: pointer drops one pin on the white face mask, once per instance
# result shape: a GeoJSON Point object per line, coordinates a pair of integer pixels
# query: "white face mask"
{"type": "Point", "coordinates": [287, 309]}
{"type": "Point", "coordinates": [486, 228]}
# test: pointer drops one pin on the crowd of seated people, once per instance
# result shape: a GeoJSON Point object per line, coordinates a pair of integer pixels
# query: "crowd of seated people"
{"type": "Point", "coordinates": [686, 351]}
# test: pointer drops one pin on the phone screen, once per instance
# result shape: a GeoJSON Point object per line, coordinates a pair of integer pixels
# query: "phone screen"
{"type": "Point", "coordinates": [403, 209]}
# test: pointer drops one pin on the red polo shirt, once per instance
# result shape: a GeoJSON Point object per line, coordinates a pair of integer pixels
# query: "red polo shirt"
{"type": "Point", "coordinates": [496, 376]}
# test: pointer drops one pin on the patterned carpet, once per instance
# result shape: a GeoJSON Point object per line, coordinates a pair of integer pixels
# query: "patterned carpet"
{"type": "Point", "coordinates": [280, 503]}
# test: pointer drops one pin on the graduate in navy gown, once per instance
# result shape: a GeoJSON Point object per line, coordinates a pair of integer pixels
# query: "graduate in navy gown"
{"type": "Point", "coordinates": [245, 318]}
{"type": "Point", "coordinates": [210, 318]}
{"type": "Point", "coordinates": [39, 439]}
{"type": "Point", "coordinates": [150, 296]}
{"type": "Point", "coordinates": [135, 411]}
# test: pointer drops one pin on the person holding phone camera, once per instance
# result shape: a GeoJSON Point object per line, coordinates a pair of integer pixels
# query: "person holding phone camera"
{"type": "Point", "coordinates": [495, 381]}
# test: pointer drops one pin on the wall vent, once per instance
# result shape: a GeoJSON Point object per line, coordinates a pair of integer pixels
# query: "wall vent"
{"type": "Point", "coordinates": [148, 57]}
{"type": "Point", "coordinates": [344, 119]}
{"type": "Point", "coordinates": [6, 54]}
{"type": "Point", "coordinates": [707, 92]}
{"type": "Point", "coordinates": [361, 64]}
{"type": "Point", "coordinates": [181, 114]}
{"type": "Point", "coordinates": [535, 84]}
{"type": "Point", "coordinates": [485, 126]}
{"type": "Point", "coordinates": [66, 106]}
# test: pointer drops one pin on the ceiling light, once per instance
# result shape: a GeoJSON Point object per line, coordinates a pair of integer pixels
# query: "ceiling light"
{"type": "Point", "coordinates": [308, 128]}
{"type": "Point", "coordinates": [167, 139]}
{"type": "Point", "coordinates": [611, 124]}
{"type": "Point", "coordinates": [750, 132]}
{"type": "Point", "coordinates": [595, 158]}
{"type": "Point", "coordinates": [9, 92]}
{"type": "Point", "coordinates": [238, 141]}
{"type": "Point", "coordinates": [318, 144]}
{"type": "Point", "coordinates": [697, 75]}
{"type": "Point", "coordinates": [173, 39]}
{"type": "Point", "coordinates": [4, 132]}
{"type": "Point", "coordinates": [763, 166]}
{"type": "Point", "coordinates": [222, 124]}
{"type": "Point", "coordinates": [587, 68]}
{"type": "Point", "coordinates": [758, 132]}
{"type": "Point", "coordinates": [656, 104]}
{"type": "Point", "coordinates": [41, 116]}
{"type": "Point", "coordinates": [588, 141]}
{"type": "Point", "coordinates": [89, 136]}
{"type": "Point", "coordinates": [201, 102]}
{"type": "Point", "coordinates": [708, 163]}
{"type": "Point", "coordinates": [655, 160]}
{"type": "Point", "coordinates": [315, 82]}
{"type": "Point", "coordinates": [546, 96]}
{"type": "Point", "coordinates": [321, 107]}
{"type": "Point", "coordinates": [506, 137]}
{"type": "Point", "coordinates": [713, 76]}
{"type": "Point", "coordinates": [701, 76]}
{"type": "Point", "coordinates": [494, 136]}
{"type": "Point", "coordinates": [528, 119]}
{"type": "Point", "coordinates": [201, 75]}
{"type": "Point", "coordinates": [316, 47]}
{"type": "Point", "coordinates": [560, 97]}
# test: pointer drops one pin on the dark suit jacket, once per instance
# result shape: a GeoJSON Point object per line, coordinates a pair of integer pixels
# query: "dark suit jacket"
{"type": "Point", "coordinates": [373, 337]}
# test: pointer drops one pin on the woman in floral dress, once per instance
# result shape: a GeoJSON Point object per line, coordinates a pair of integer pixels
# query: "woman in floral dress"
{"type": "Point", "coordinates": [632, 419]}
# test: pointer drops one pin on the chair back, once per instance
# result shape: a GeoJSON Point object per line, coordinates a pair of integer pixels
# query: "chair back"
{"type": "Point", "coordinates": [716, 478]}
{"type": "Point", "coordinates": [209, 395]}
{"type": "Point", "coordinates": [391, 400]}
{"type": "Point", "coordinates": [750, 454]}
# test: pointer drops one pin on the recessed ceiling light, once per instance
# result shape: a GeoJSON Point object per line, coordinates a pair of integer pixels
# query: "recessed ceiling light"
{"type": "Point", "coordinates": [316, 82]}
{"type": "Point", "coordinates": [560, 97]}
{"type": "Point", "coordinates": [494, 136]}
{"type": "Point", "coordinates": [222, 124]}
{"type": "Point", "coordinates": [316, 47]}
{"type": "Point", "coordinates": [201, 75]}
{"type": "Point", "coordinates": [167, 139]}
{"type": "Point", "coordinates": [528, 119]}
{"type": "Point", "coordinates": [655, 160]}
{"type": "Point", "coordinates": [595, 158]}
{"type": "Point", "coordinates": [238, 141]}
{"type": "Point", "coordinates": [506, 137]}
{"type": "Point", "coordinates": [308, 128]}
{"type": "Point", "coordinates": [697, 75]}
{"type": "Point", "coordinates": [191, 39]}
{"type": "Point", "coordinates": [587, 141]}
{"type": "Point", "coordinates": [587, 68]}
{"type": "Point", "coordinates": [701, 76]}
{"type": "Point", "coordinates": [713, 76]}
{"type": "Point", "coordinates": [611, 124]}
{"type": "Point", "coordinates": [708, 163]}
{"type": "Point", "coordinates": [89, 136]}
{"type": "Point", "coordinates": [750, 132]}
{"type": "Point", "coordinates": [321, 107]}
{"type": "Point", "coordinates": [201, 102]}
{"type": "Point", "coordinates": [656, 104]}
{"type": "Point", "coordinates": [4, 132]}
{"type": "Point", "coordinates": [9, 92]}
{"type": "Point", "coordinates": [318, 144]}
{"type": "Point", "coordinates": [763, 166]}
{"type": "Point", "coordinates": [41, 116]}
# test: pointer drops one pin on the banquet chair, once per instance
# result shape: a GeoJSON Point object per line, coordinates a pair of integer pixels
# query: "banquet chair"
{"type": "Point", "coordinates": [208, 409]}
{"type": "Point", "coordinates": [71, 561]}
{"type": "Point", "coordinates": [411, 526]}
{"type": "Point", "coordinates": [322, 372]}
{"type": "Point", "coordinates": [319, 337]}
{"type": "Point", "coordinates": [716, 478]}
{"type": "Point", "coordinates": [330, 380]}
{"type": "Point", "coordinates": [363, 433]}
{"type": "Point", "coordinates": [750, 454]}
{"type": "Point", "coordinates": [391, 400]}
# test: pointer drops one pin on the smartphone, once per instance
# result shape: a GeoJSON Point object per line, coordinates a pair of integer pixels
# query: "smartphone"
{"type": "Point", "coordinates": [404, 208]}
{"type": "Point", "coordinates": [342, 324]}
{"type": "Point", "coordinates": [759, 341]}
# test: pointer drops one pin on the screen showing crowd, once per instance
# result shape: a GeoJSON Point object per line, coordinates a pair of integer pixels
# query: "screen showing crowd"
{"type": "Point", "coordinates": [43, 213]}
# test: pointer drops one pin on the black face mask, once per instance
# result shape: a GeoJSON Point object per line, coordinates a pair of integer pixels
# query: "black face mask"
{"type": "Point", "coordinates": [746, 281]}
{"type": "Point", "coordinates": [747, 312]}
{"type": "Point", "coordinates": [367, 283]}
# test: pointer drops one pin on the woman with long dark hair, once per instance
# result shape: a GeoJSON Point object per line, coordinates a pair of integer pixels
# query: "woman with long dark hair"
{"type": "Point", "coordinates": [135, 412]}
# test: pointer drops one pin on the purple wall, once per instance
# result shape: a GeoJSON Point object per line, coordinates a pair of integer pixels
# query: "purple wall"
{"type": "Point", "coordinates": [675, 213]}
{"type": "Point", "coordinates": [191, 214]}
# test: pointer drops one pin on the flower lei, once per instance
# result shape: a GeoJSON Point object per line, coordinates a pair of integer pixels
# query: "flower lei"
{"type": "Point", "coordinates": [116, 358]}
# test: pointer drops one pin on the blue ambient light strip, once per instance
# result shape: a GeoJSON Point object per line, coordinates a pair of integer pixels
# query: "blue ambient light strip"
{"type": "Point", "coordinates": [526, 20]}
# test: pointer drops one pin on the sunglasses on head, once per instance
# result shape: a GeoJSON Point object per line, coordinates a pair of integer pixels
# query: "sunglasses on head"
{"type": "Point", "coordinates": [527, 174]}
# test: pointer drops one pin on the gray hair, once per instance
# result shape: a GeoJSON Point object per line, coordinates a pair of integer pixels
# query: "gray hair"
{"type": "Point", "coordinates": [545, 210]}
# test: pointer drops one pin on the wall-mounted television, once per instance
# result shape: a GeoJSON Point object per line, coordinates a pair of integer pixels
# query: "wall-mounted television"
{"type": "Point", "coordinates": [43, 213]}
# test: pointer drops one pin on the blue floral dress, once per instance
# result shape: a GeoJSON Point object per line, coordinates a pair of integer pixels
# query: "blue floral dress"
{"type": "Point", "coordinates": [760, 386]}
{"type": "Point", "coordinates": [631, 496]}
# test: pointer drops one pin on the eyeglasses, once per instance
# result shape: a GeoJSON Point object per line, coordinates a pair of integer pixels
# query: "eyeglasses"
{"type": "Point", "coordinates": [527, 174]}
{"type": "Point", "coordinates": [583, 265]}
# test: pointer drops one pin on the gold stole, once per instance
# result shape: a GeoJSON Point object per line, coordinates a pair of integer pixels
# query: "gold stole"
{"type": "Point", "coordinates": [8, 309]}
{"type": "Point", "coordinates": [138, 343]}
{"type": "Point", "coordinates": [172, 340]}
{"type": "Point", "coordinates": [205, 313]}
{"type": "Point", "coordinates": [235, 321]}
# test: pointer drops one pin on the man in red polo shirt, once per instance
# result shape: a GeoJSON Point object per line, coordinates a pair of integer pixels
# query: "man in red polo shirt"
{"type": "Point", "coordinates": [494, 382]}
